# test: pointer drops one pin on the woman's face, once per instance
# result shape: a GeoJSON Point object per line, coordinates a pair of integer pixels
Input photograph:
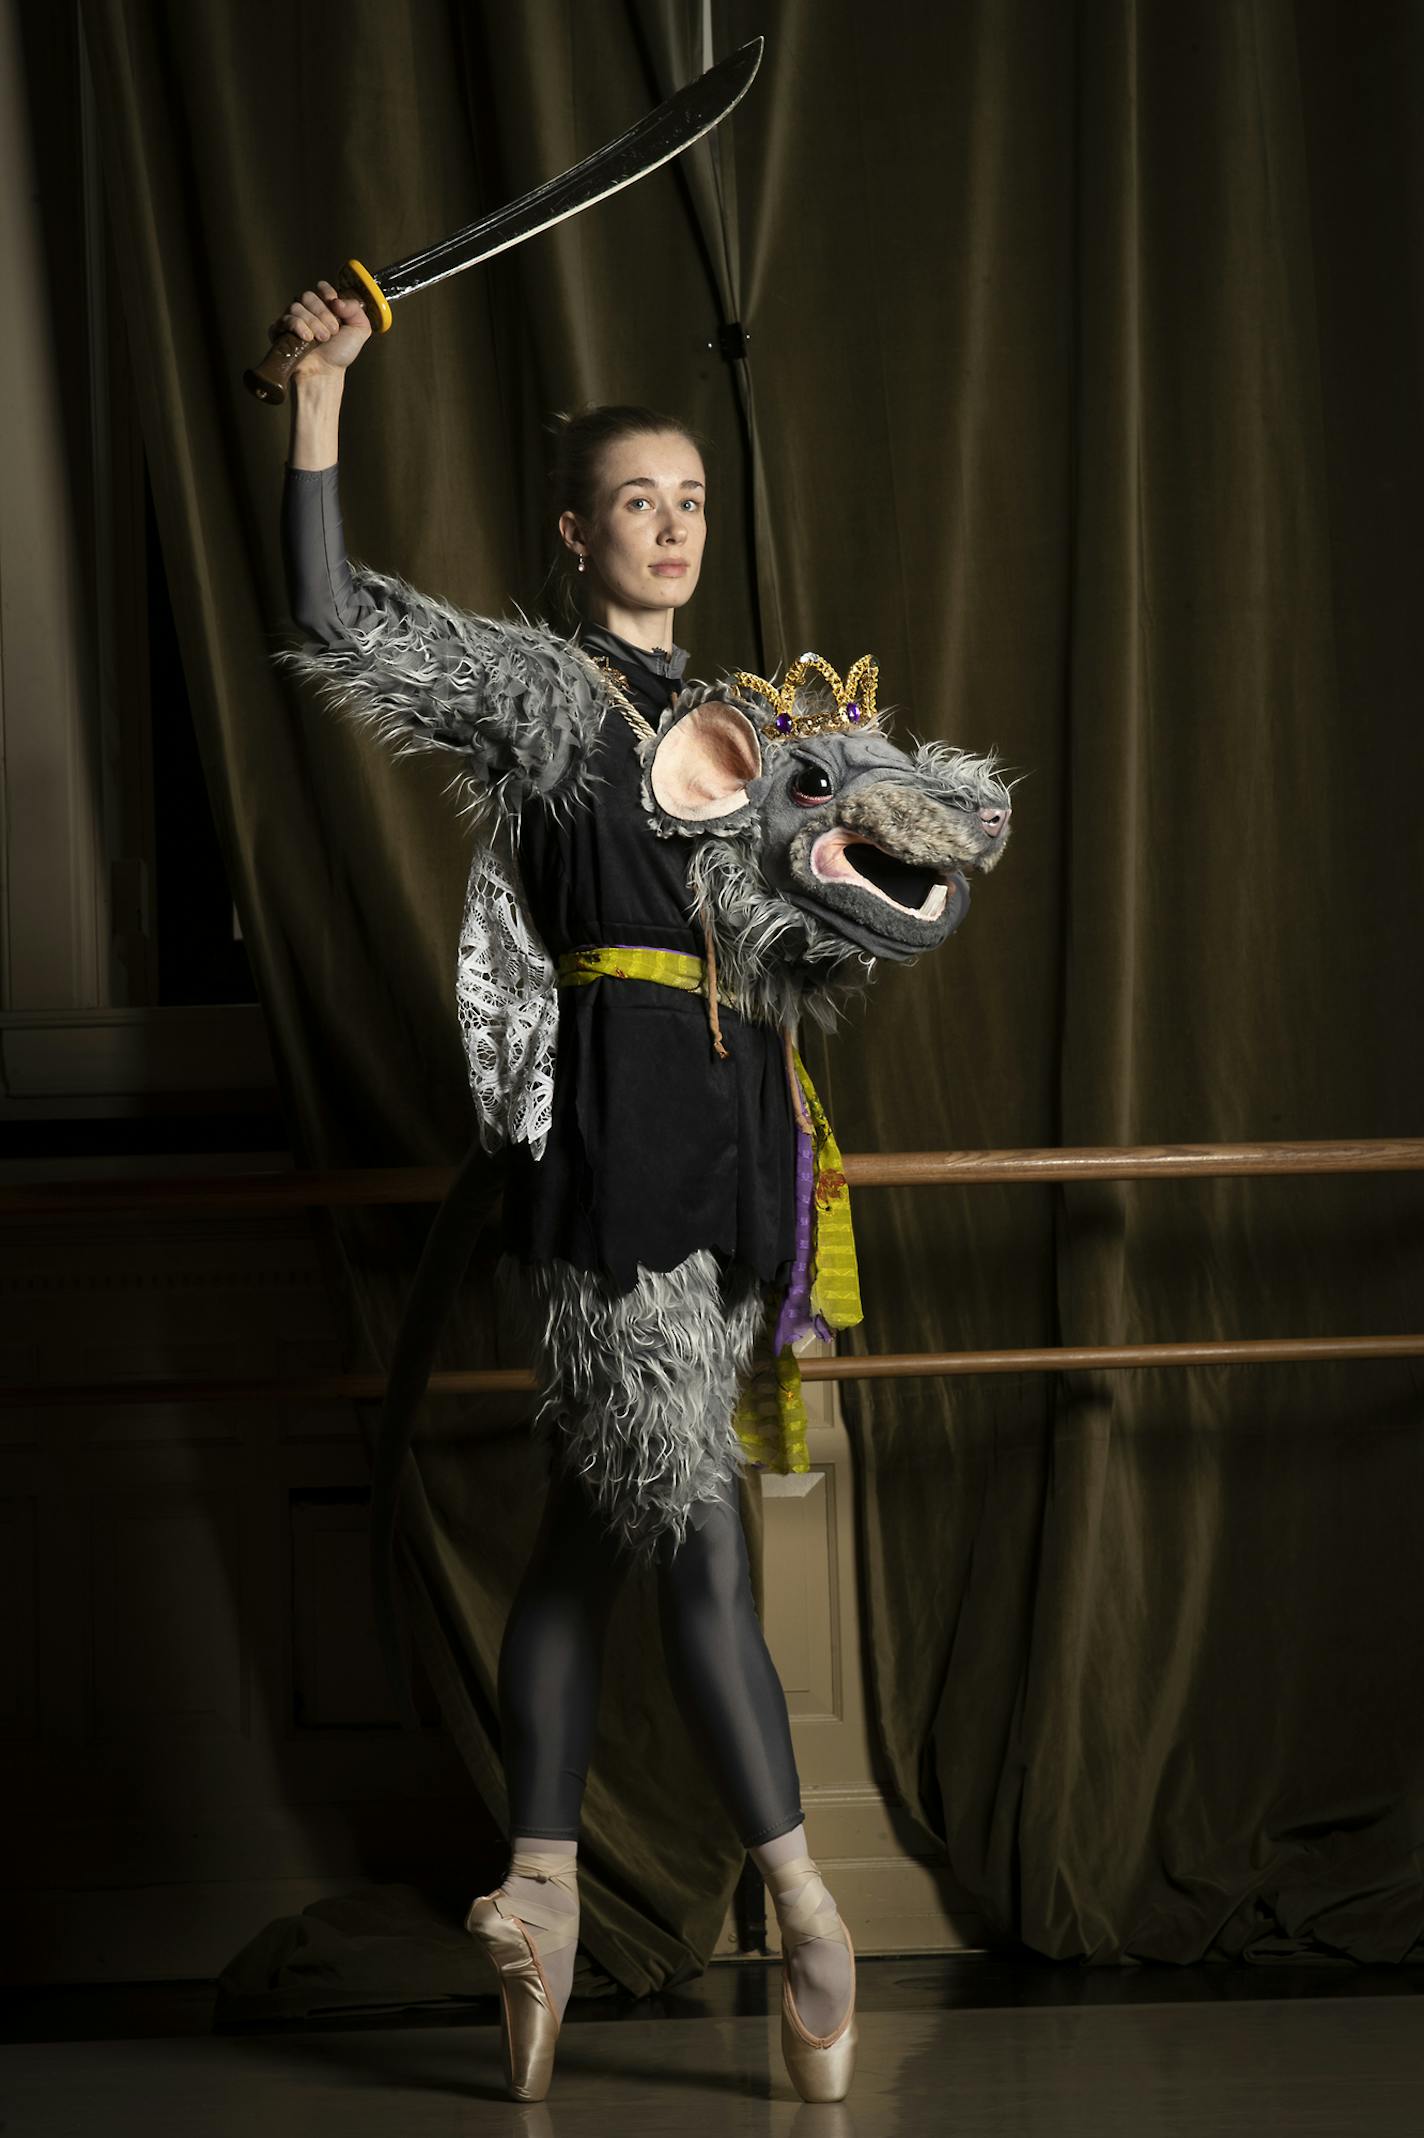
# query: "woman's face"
{"type": "Point", "coordinates": [644, 542]}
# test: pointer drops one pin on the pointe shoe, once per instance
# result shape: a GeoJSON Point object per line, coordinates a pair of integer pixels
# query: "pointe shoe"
{"type": "Point", "coordinates": [820, 2065]}
{"type": "Point", "coordinates": [530, 2023]}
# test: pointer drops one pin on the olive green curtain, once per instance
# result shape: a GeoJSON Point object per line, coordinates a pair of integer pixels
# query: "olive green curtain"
{"type": "Point", "coordinates": [1083, 389]}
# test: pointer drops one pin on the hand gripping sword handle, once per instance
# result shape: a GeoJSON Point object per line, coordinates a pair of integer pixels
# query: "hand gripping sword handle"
{"type": "Point", "coordinates": [268, 380]}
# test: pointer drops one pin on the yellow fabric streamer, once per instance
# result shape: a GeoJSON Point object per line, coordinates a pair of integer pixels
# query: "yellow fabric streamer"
{"type": "Point", "coordinates": [770, 1418]}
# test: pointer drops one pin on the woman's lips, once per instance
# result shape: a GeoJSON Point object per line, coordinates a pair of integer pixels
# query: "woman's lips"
{"type": "Point", "coordinates": [669, 571]}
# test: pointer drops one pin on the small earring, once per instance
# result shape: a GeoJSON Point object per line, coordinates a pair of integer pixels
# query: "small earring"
{"type": "Point", "coordinates": [583, 560]}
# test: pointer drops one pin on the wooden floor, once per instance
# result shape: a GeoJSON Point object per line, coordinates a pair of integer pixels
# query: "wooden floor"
{"type": "Point", "coordinates": [960, 2052]}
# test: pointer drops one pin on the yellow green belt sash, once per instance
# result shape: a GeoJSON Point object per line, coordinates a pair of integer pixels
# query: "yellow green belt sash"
{"type": "Point", "coordinates": [770, 1418]}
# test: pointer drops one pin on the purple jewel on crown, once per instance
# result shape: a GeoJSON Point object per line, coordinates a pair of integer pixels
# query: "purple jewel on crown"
{"type": "Point", "coordinates": [782, 723]}
{"type": "Point", "coordinates": [852, 711]}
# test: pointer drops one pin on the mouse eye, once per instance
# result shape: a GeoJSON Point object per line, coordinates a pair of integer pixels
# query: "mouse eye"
{"type": "Point", "coordinates": [810, 784]}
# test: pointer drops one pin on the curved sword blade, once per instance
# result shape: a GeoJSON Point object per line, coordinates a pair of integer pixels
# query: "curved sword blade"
{"type": "Point", "coordinates": [664, 133]}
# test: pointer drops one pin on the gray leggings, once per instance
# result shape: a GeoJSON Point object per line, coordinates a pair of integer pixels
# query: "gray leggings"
{"type": "Point", "coordinates": [722, 1675]}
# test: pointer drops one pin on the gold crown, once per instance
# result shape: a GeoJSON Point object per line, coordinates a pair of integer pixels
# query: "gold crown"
{"type": "Point", "coordinates": [854, 699]}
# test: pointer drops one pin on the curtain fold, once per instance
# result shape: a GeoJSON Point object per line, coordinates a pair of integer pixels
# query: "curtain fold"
{"type": "Point", "coordinates": [684, 42]}
{"type": "Point", "coordinates": [1086, 345]}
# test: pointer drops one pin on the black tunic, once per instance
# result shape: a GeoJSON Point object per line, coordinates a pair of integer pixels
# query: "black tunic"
{"type": "Point", "coordinates": [657, 1147]}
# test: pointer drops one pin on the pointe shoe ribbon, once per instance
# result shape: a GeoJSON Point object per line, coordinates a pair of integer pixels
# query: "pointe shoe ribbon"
{"type": "Point", "coordinates": [531, 2025]}
{"type": "Point", "coordinates": [820, 2065]}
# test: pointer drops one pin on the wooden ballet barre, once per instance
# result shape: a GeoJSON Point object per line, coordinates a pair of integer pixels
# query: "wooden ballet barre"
{"type": "Point", "coordinates": [1166, 1161]}
{"type": "Point", "coordinates": [368, 1187]}
{"type": "Point", "coordinates": [876, 1366]}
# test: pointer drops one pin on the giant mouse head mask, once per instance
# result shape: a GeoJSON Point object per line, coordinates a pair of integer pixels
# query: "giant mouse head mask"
{"type": "Point", "coordinates": [819, 842]}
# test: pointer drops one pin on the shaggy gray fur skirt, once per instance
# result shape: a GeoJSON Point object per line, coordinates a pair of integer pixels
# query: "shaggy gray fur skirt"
{"type": "Point", "coordinates": [639, 1387]}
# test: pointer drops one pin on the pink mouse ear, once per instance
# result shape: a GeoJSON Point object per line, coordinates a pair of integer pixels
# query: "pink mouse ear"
{"type": "Point", "coordinates": [705, 762]}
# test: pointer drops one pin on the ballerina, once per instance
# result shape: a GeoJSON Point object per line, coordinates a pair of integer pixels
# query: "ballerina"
{"type": "Point", "coordinates": [665, 1142]}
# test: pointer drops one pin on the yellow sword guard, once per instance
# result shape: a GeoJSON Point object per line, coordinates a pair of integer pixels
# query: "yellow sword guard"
{"type": "Point", "coordinates": [369, 289]}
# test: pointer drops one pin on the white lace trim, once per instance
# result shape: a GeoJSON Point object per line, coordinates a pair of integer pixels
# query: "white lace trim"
{"type": "Point", "coordinates": [507, 1004]}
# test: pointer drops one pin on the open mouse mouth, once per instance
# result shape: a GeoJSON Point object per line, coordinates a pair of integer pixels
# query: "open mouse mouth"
{"type": "Point", "coordinates": [840, 856]}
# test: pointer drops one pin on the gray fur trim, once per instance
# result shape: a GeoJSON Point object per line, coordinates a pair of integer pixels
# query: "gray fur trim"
{"type": "Point", "coordinates": [639, 1387]}
{"type": "Point", "coordinates": [907, 819]}
{"type": "Point", "coordinates": [519, 706]}
{"type": "Point", "coordinates": [968, 783]}
{"type": "Point", "coordinates": [777, 962]}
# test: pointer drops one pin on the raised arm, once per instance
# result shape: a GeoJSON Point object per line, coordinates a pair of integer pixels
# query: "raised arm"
{"type": "Point", "coordinates": [320, 589]}
{"type": "Point", "coordinates": [518, 704]}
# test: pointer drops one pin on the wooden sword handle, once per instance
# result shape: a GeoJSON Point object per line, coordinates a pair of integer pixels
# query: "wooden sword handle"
{"type": "Point", "coordinates": [268, 380]}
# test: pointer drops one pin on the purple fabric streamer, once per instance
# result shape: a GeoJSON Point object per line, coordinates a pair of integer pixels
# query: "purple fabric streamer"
{"type": "Point", "coordinates": [795, 1319]}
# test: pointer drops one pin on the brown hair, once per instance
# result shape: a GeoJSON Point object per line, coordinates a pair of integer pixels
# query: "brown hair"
{"type": "Point", "coordinates": [580, 440]}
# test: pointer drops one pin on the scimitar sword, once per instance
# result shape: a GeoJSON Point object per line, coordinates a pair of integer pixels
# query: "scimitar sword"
{"type": "Point", "coordinates": [684, 118]}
